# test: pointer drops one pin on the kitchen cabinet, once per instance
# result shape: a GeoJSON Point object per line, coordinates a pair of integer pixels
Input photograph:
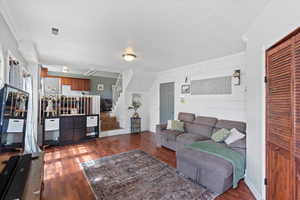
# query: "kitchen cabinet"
{"type": "Point", "coordinates": [80, 84]}
{"type": "Point", "coordinates": [66, 81]}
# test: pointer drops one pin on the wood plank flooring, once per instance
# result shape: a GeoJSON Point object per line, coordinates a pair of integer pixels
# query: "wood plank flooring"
{"type": "Point", "coordinates": [64, 180]}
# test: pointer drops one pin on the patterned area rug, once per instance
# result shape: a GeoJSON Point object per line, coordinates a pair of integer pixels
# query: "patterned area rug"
{"type": "Point", "coordinates": [136, 175]}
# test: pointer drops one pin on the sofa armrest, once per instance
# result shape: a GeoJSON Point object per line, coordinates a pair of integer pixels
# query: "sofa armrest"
{"type": "Point", "coordinates": [158, 133]}
{"type": "Point", "coordinates": [161, 127]}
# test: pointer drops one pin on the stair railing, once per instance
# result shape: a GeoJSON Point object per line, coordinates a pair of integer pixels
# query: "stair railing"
{"type": "Point", "coordinates": [117, 90]}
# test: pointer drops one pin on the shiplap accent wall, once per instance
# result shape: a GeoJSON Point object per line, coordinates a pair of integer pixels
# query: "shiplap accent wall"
{"type": "Point", "coordinates": [225, 106]}
{"type": "Point", "coordinates": [212, 86]}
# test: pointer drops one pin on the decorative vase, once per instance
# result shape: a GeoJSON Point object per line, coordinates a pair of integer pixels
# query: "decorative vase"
{"type": "Point", "coordinates": [135, 115]}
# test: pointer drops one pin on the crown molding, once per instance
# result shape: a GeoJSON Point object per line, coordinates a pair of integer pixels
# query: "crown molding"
{"type": "Point", "coordinates": [8, 19]}
{"type": "Point", "coordinates": [28, 51]}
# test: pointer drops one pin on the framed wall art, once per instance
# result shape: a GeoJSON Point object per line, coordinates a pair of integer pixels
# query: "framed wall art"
{"type": "Point", "coordinates": [185, 89]}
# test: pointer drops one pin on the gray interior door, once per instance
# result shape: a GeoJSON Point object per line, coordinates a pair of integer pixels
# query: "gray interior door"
{"type": "Point", "coordinates": [166, 102]}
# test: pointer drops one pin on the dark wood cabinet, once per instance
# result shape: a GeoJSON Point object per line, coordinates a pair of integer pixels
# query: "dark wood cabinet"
{"type": "Point", "coordinates": [66, 136]}
{"type": "Point", "coordinates": [79, 134]}
{"type": "Point", "coordinates": [80, 84]}
{"type": "Point", "coordinates": [71, 129]}
{"type": "Point", "coordinates": [66, 123]}
{"type": "Point", "coordinates": [135, 124]}
{"type": "Point", "coordinates": [79, 128]}
{"type": "Point", "coordinates": [75, 85]}
{"type": "Point", "coordinates": [44, 72]}
{"type": "Point", "coordinates": [79, 122]}
{"type": "Point", "coordinates": [283, 118]}
{"type": "Point", "coordinates": [87, 85]}
{"type": "Point", "coordinates": [66, 81]}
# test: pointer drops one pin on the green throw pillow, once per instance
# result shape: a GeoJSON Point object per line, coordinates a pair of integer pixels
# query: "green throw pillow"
{"type": "Point", "coordinates": [176, 125]}
{"type": "Point", "coordinates": [220, 135]}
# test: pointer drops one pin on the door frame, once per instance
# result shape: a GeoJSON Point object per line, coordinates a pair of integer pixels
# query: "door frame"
{"type": "Point", "coordinates": [159, 100]}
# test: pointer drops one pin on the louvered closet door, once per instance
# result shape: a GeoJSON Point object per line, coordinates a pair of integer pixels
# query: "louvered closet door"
{"type": "Point", "coordinates": [279, 122]}
{"type": "Point", "coordinates": [297, 109]}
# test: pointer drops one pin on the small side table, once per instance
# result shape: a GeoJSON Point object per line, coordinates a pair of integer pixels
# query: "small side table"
{"type": "Point", "coordinates": [135, 124]}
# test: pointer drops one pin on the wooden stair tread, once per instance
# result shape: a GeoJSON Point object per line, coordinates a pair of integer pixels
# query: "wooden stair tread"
{"type": "Point", "coordinates": [108, 122]}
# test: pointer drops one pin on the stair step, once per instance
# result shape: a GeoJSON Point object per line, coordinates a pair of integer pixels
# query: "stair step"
{"type": "Point", "coordinates": [108, 122]}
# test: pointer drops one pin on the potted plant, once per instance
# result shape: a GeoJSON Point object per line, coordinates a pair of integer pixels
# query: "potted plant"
{"type": "Point", "coordinates": [135, 106]}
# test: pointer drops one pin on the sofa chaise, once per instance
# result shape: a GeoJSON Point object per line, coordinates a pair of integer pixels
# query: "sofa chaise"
{"type": "Point", "coordinates": [208, 170]}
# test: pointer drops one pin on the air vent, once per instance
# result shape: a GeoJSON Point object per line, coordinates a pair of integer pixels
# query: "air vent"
{"type": "Point", "coordinates": [55, 31]}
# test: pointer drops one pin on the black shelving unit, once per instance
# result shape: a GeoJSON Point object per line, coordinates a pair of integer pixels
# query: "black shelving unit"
{"type": "Point", "coordinates": [13, 116]}
{"type": "Point", "coordinates": [70, 129]}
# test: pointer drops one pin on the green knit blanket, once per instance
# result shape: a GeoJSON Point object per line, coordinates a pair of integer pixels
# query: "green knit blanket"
{"type": "Point", "coordinates": [236, 159]}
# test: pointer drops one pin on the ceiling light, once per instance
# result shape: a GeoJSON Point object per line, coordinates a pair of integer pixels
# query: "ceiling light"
{"type": "Point", "coordinates": [129, 55]}
{"type": "Point", "coordinates": [65, 69]}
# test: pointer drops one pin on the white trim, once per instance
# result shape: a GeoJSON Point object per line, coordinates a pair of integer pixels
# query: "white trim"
{"type": "Point", "coordinates": [8, 55]}
{"type": "Point", "coordinates": [113, 132]}
{"type": "Point", "coordinates": [8, 19]}
{"type": "Point", "coordinates": [192, 65]}
{"type": "Point", "coordinates": [254, 191]}
{"type": "Point", "coordinates": [2, 64]}
{"type": "Point", "coordinates": [263, 136]}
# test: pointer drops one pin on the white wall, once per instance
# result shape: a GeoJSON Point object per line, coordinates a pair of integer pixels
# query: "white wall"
{"type": "Point", "coordinates": [277, 20]}
{"type": "Point", "coordinates": [66, 90]}
{"type": "Point", "coordinates": [143, 110]}
{"type": "Point", "coordinates": [10, 46]}
{"type": "Point", "coordinates": [121, 111]}
{"type": "Point", "coordinates": [8, 43]}
{"type": "Point", "coordinates": [231, 107]}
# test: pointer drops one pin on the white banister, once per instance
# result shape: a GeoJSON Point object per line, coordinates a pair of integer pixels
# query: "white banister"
{"type": "Point", "coordinates": [58, 105]}
{"type": "Point", "coordinates": [117, 90]}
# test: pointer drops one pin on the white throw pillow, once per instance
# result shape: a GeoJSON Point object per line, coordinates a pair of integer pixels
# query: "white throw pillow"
{"type": "Point", "coordinates": [169, 125]}
{"type": "Point", "coordinates": [234, 136]}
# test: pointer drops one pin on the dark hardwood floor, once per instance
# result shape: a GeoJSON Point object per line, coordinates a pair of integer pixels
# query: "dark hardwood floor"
{"type": "Point", "coordinates": [64, 179]}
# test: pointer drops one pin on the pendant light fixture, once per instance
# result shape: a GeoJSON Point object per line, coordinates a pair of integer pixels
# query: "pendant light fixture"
{"type": "Point", "coordinates": [129, 55]}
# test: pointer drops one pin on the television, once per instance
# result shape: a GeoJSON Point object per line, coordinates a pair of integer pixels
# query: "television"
{"type": "Point", "coordinates": [13, 116]}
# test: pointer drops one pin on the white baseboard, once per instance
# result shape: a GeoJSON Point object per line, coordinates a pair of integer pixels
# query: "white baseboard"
{"type": "Point", "coordinates": [254, 191]}
{"type": "Point", "coordinates": [113, 132]}
{"type": "Point", "coordinates": [121, 131]}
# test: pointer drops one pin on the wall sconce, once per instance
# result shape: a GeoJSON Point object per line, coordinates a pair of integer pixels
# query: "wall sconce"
{"type": "Point", "coordinates": [237, 77]}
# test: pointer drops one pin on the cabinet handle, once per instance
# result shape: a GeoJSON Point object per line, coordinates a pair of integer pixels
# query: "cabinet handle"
{"type": "Point", "coordinates": [277, 148]}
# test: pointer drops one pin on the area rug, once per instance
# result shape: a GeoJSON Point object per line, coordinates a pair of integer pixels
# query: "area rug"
{"type": "Point", "coordinates": [136, 175]}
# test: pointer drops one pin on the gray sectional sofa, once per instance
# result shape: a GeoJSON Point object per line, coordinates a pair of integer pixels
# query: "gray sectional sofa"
{"type": "Point", "coordinates": [208, 170]}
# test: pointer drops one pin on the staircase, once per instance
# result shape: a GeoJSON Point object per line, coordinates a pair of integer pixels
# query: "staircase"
{"type": "Point", "coordinates": [120, 107]}
{"type": "Point", "coordinates": [130, 81]}
{"type": "Point", "coordinates": [108, 119]}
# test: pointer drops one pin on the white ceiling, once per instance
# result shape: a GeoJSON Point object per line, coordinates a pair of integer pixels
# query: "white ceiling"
{"type": "Point", "coordinates": [164, 33]}
{"type": "Point", "coordinates": [80, 71]}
